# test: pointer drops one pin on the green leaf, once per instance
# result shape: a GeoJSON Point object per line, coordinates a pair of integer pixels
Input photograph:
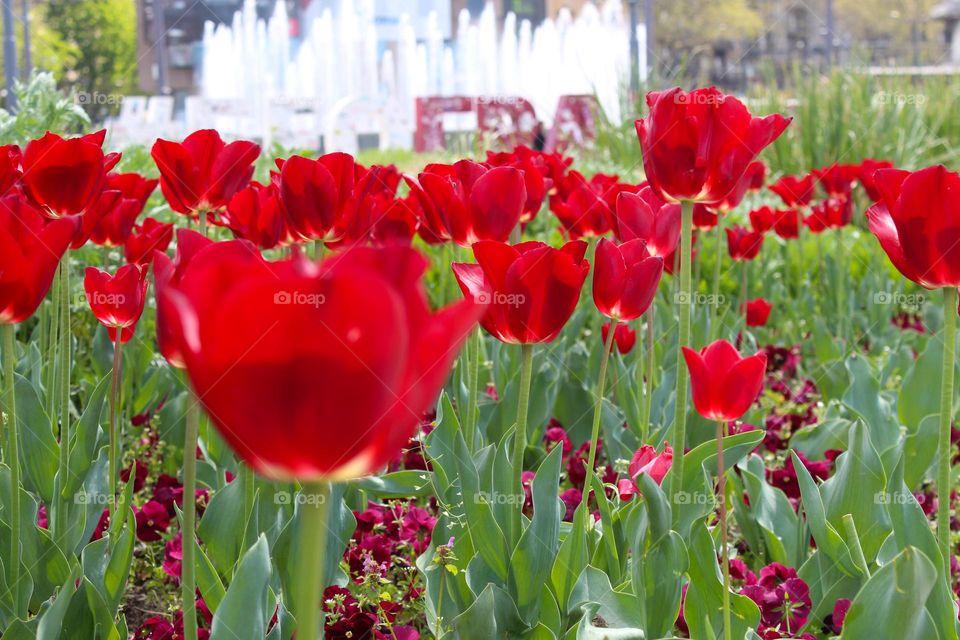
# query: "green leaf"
{"type": "Point", "coordinates": [83, 450]}
{"type": "Point", "coordinates": [829, 541]}
{"type": "Point", "coordinates": [915, 400]}
{"type": "Point", "coordinates": [571, 559]}
{"type": "Point", "coordinates": [243, 610]}
{"type": "Point", "coordinates": [891, 603]}
{"type": "Point", "coordinates": [39, 451]}
{"type": "Point", "coordinates": [864, 397]}
{"type": "Point", "coordinates": [399, 484]}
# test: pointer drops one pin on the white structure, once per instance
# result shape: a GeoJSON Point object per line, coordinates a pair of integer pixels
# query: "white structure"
{"type": "Point", "coordinates": [258, 82]}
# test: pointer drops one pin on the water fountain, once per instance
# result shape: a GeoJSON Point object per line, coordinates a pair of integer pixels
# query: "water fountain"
{"type": "Point", "coordinates": [342, 70]}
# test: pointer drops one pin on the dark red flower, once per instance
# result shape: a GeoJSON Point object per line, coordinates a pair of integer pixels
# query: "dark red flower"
{"type": "Point", "coordinates": [742, 243]}
{"type": "Point", "coordinates": [625, 279]}
{"type": "Point", "coordinates": [529, 290]}
{"type": "Point", "coordinates": [623, 338]}
{"type": "Point", "coordinates": [467, 201]}
{"type": "Point", "coordinates": [758, 311]}
{"type": "Point", "coordinates": [756, 174]}
{"type": "Point", "coordinates": [273, 348]}
{"type": "Point", "coordinates": [140, 475]}
{"type": "Point", "coordinates": [203, 172]}
{"type": "Point", "coordinates": [117, 301]}
{"type": "Point", "coordinates": [152, 521]}
{"type": "Point", "coordinates": [787, 224]}
{"type": "Point", "coordinates": [255, 213]}
{"type": "Point", "coordinates": [148, 236]}
{"type": "Point", "coordinates": [794, 191]}
{"type": "Point", "coordinates": [917, 221]}
{"type": "Point", "coordinates": [697, 146]}
{"type": "Point", "coordinates": [168, 273]}
{"type": "Point", "coordinates": [762, 219]}
{"type": "Point", "coordinates": [64, 177]}
{"type": "Point", "coordinates": [585, 210]}
{"type": "Point", "coordinates": [173, 556]}
{"type": "Point", "coordinates": [704, 218]}
{"type": "Point", "coordinates": [30, 250]}
{"type": "Point", "coordinates": [867, 174]}
{"type": "Point", "coordinates": [724, 383]}
{"type": "Point", "coordinates": [837, 180]}
{"type": "Point", "coordinates": [840, 609]}
{"type": "Point", "coordinates": [557, 435]}
{"type": "Point", "coordinates": [156, 628]}
{"type": "Point", "coordinates": [644, 216]}
{"type": "Point", "coordinates": [571, 499]}
{"type": "Point", "coordinates": [831, 213]}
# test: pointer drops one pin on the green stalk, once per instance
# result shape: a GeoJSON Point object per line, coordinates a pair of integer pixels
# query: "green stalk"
{"type": "Point", "coordinates": [946, 414]}
{"type": "Point", "coordinates": [840, 286]}
{"type": "Point", "coordinates": [651, 372]}
{"type": "Point", "coordinates": [744, 267]}
{"type": "Point", "coordinates": [639, 379]}
{"type": "Point", "coordinates": [715, 300]}
{"type": "Point", "coordinates": [114, 411]}
{"type": "Point", "coordinates": [188, 581]}
{"type": "Point", "coordinates": [50, 348]}
{"type": "Point", "coordinates": [850, 527]}
{"type": "Point", "coordinates": [309, 574]}
{"type": "Point", "coordinates": [249, 496]}
{"type": "Point", "coordinates": [724, 550]}
{"type": "Point", "coordinates": [523, 406]}
{"type": "Point", "coordinates": [598, 400]}
{"type": "Point", "coordinates": [13, 461]}
{"type": "Point", "coordinates": [474, 355]}
{"type": "Point", "coordinates": [680, 413]}
{"type": "Point", "coordinates": [64, 358]}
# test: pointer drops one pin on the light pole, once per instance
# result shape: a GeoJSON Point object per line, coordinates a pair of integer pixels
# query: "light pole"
{"type": "Point", "coordinates": [648, 21]}
{"type": "Point", "coordinates": [829, 48]}
{"type": "Point", "coordinates": [634, 51]}
{"type": "Point", "coordinates": [9, 54]}
{"type": "Point", "coordinates": [25, 23]}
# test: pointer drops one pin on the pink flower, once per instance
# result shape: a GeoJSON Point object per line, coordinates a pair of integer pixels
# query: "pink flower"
{"type": "Point", "coordinates": [646, 460]}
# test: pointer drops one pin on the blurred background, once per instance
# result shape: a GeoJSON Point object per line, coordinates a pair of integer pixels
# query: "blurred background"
{"type": "Point", "coordinates": [428, 75]}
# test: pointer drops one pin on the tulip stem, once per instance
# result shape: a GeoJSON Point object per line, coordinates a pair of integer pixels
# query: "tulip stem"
{"type": "Point", "coordinates": [310, 566]}
{"type": "Point", "coordinates": [64, 390]}
{"type": "Point", "coordinates": [13, 460]}
{"type": "Point", "coordinates": [840, 285]}
{"type": "Point", "coordinates": [114, 410]}
{"type": "Point", "coordinates": [680, 412]}
{"type": "Point", "coordinates": [946, 415]}
{"type": "Point", "coordinates": [651, 369]}
{"type": "Point", "coordinates": [520, 437]}
{"type": "Point", "coordinates": [598, 406]}
{"type": "Point", "coordinates": [724, 550]}
{"type": "Point", "coordinates": [744, 292]}
{"type": "Point", "coordinates": [188, 536]}
{"type": "Point", "coordinates": [715, 299]}
{"type": "Point", "coordinates": [472, 412]}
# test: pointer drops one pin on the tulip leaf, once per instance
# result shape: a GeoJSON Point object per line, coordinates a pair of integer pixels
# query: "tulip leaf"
{"type": "Point", "coordinates": [617, 609]}
{"type": "Point", "coordinates": [243, 609]}
{"type": "Point", "coordinates": [826, 536]}
{"type": "Point", "coordinates": [83, 450]}
{"type": "Point", "coordinates": [52, 614]}
{"type": "Point", "coordinates": [892, 602]}
{"type": "Point", "coordinates": [405, 484]}
{"type": "Point", "coordinates": [775, 516]}
{"type": "Point", "coordinates": [865, 398]}
{"type": "Point", "coordinates": [39, 451]}
{"type": "Point", "coordinates": [916, 400]}
{"type": "Point", "coordinates": [572, 558]}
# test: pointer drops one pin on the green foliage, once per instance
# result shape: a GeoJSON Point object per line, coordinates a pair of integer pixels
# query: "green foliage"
{"type": "Point", "coordinates": [41, 107]}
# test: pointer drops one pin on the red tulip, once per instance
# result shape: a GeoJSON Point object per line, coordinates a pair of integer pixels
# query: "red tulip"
{"type": "Point", "coordinates": [752, 180]}
{"type": "Point", "coordinates": [762, 219]}
{"type": "Point", "coordinates": [646, 460]}
{"type": "Point", "coordinates": [585, 211]}
{"type": "Point", "coordinates": [318, 195]}
{"type": "Point", "coordinates": [757, 312]}
{"type": "Point", "coordinates": [93, 216]}
{"type": "Point", "coordinates": [623, 337]}
{"type": "Point", "coordinates": [831, 213]}
{"type": "Point", "coordinates": [10, 158]}
{"type": "Point", "coordinates": [646, 217]}
{"type": "Point", "coordinates": [917, 221]}
{"type": "Point", "coordinates": [795, 192]}
{"type": "Point", "coordinates": [385, 219]}
{"type": "Point", "coordinates": [64, 177]}
{"type": "Point", "coordinates": [315, 370]}
{"type": "Point", "coordinates": [535, 176]}
{"type": "Point", "coordinates": [697, 146]}
{"type": "Point", "coordinates": [787, 224]}
{"type": "Point", "coordinates": [167, 274]}
{"type": "Point", "coordinates": [724, 384]}
{"type": "Point", "coordinates": [671, 261]}
{"type": "Point", "coordinates": [625, 279]}
{"type": "Point", "coordinates": [147, 237]}
{"type": "Point", "coordinates": [255, 213]}
{"type": "Point", "coordinates": [756, 174]}
{"type": "Point", "coordinates": [866, 174]}
{"type": "Point", "coordinates": [30, 250]}
{"type": "Point", "coordinates": [743, 243]}
{"type": "Point", "coordinates": [704, 219]}
{"type": "Point", "coordinates": [117, 301]}
{"type": "Point", "coordinates": [115, 226]}
{"type": "Point", "coordinates": [467, 202]}
{"type": "Point", "coordinates": [837, 179]}
{"type": "Point", "coordinates": [202, 173]}
{"type": "Point", "coordinates": [530, 290]}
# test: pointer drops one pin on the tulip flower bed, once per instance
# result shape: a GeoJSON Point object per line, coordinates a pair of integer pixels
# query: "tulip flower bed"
{"type": "Point", "coordinates": [497, 398]}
